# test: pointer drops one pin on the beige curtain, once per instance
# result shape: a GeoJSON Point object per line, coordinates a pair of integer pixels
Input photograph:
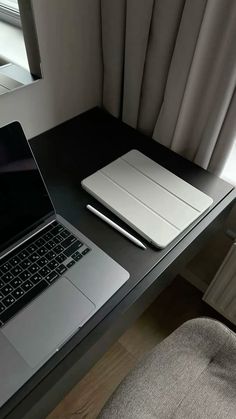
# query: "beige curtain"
{"type": "Point", "coordinates": [170, 72]}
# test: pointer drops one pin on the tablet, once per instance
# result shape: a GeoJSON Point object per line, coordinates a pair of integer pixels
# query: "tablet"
{"type": "Point", "coordinates": [149, 198]}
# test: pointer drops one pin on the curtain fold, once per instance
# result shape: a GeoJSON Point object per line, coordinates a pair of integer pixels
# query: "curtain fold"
{"type": "Point", "coordinates": [170, 72]}
{"type": "Point", "coordinates": [179, 71]}
{"type": "Point", "coordinates": [136, 45]}
{"type": "Point", "coordinates": [113, 26]}
{"type": "Point", "coordinates": [163, 32]}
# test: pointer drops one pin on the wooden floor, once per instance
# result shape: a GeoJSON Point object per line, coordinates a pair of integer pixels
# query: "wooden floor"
{"type": "Point", "coordinates": [178, 303]}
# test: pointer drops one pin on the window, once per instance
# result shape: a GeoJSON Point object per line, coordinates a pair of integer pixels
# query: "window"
{"type": "Point", "coordinates": [20, 62]}
{"type": "Point", "coordinates": [229, 171]}
{"type": "Point", "coordinates": [9, 12]}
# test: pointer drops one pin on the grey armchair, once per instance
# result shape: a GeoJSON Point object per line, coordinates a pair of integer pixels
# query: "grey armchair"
{"type": "Point", "coordinates": [191, 374]}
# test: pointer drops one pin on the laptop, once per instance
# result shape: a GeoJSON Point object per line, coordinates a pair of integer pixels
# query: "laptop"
{"type": "Point", "coordinates": [149, 198]}
{"type": "Point", "coordinates": [52, 277]}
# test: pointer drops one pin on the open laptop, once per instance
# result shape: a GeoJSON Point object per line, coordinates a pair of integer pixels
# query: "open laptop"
{"type": "Point", "coordinates": [52, 277]}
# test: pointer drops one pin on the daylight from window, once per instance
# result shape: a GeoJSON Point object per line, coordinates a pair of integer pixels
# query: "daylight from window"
{"type": "Point", "coordinates": [229, 171]}
{"type": "Point", "coordinates": [9, 12]}
{"type": "Point", "coordinates": [12, 4]}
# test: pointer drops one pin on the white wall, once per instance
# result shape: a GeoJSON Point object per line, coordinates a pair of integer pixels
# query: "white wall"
{"type": "Point", "coordinates": [69, 41]}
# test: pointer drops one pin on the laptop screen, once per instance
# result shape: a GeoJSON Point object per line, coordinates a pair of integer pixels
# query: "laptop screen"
{"type": "Point", "coordinates": [24, 200]}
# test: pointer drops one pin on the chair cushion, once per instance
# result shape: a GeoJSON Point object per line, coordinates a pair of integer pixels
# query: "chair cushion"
{"type": "Point", "coordinates": [191, 374]}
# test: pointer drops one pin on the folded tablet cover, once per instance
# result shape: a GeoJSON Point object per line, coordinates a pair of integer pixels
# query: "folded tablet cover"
{"type": "Point", "coordinates": [152, 200]}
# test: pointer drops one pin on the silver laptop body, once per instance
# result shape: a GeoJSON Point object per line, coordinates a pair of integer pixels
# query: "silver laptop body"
{"type": "Point", "coordinates": [37, 330]}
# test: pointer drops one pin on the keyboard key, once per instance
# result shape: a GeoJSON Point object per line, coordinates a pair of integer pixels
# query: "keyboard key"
{"type": "Point", "coordinates": [14, 261]}
{"type": "Point", "coordinates": [25, 299]}
{"type": "Point", "coordinates": [27, 285]}
{"type": "Point", "coordinates": [55, 240]}
{"type": "Point", "coordinates": [65, 234]}
{"type": "Point", "coordinates": [16, 282]}
{"type": "Point", "coordinates": [85, 251]}
{"type": "Point", "coordinates": [50, 245]}
{"type": "Point", "coordinates": [32, 248]}
{"type": "Point", "coordinates": [70, 264]}
{"type": "Point", "coordinates": [1, 283]}
{"type": "Point", "coordinates": [22, 255]}
{"type": "Point", "coordinates": [51, 255]}
{"type": "Point", "coordinates": [8, 301]}
{"type": "Point", "coordinates": [5, 267]}
{"type": "Point", "coordinates": [77, 256]}
{"type": "Point", "coordinates": [16, 271]}
{"type": "Point", "coordinates": [42, 262]}
{"type": "Point", "coordinates": [36, 278]}
{"type": "Point", "coordinates": [7, 277]}
{"type": "Point", "coordinates": [57, 229]}
{"type": "Point", "coordinates": [40, 242]}
{"type": "Point", "coordinates": [58, 249]}
{"type": "Point", "coordinates": [18, 293]}
{"type": "Point", "coordinates": [52, 276]}
{"type": "Point", "coordinates": [25, 275]}
{"type": "Point", "coordinates": [6, 290]}
{"type": "Point", "coordinates": [34, 257]}
{"type": "Point", "coordinates": [53, 264]}
{"type": "Point", "coordinates": [61, 269]}
{"type": "Point", "coordinates": [44, 271]}
{"type": "Point", "coordinates": [72, 249]}
{"type": "Point", "coordinates": [61, 258]}
{"type": "Point", "coordinates": [67, 242]}
{"type": "Point", "coordinates": [42, 251]}
{"type": "Point", "coordinates": [1, 296]}
{"type": "Point", "coordinates": [47, 236]}
{"type": "Point", "coordinates": [26, 263]}
{"type": "Point", "coordinates": [34, 268]}
{"type": "Point", "coordinates": [58, 239]}
{"type": "Point", "coordinates": [2, 308]}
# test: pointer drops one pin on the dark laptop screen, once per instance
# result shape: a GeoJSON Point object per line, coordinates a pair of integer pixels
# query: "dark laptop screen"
{"type": "Point", "coordinates": [24, 200]}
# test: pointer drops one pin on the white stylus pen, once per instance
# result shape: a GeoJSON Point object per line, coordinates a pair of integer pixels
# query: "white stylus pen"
{"type": "Point", "coordinates": [116, 226]}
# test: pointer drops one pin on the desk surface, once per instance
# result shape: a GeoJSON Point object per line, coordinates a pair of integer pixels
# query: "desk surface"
{"type": "Point", "coordinates": [66, 155]}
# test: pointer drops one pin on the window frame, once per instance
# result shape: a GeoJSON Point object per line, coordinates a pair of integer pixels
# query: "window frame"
{"type": "Point", "coordinates": [9, 13]}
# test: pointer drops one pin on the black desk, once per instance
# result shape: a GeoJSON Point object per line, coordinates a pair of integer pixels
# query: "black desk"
{"type": "Point", "coordinates": [67, 154]}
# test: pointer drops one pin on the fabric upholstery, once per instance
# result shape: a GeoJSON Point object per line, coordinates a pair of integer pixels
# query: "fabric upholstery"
{"type": "Point", "coordinates": [170, 71]}
{"type": "Point", "coordinates": [191, 374]}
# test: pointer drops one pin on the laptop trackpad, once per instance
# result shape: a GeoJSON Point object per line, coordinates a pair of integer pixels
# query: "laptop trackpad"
{"type": "Point", "coordinates": [38, 330]}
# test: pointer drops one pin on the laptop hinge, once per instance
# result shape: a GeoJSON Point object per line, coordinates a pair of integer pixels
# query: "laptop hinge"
{"type": "Point", "coordinates": [28, 236]}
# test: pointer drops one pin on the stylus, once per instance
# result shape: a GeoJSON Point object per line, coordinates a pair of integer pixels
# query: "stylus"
{"type": "Point", "coordinates": [116, 226]}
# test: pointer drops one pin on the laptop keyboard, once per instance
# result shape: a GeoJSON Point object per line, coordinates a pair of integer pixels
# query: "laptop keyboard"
{"type": "Point", "coordinates": [35, 266]}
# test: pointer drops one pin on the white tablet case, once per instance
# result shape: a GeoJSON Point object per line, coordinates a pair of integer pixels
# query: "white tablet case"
{"type": "Point", "coordinates": [149, 198]}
